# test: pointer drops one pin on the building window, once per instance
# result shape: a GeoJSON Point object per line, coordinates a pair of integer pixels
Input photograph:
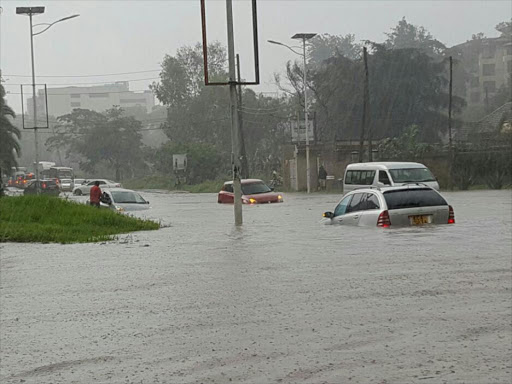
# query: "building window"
{"type": "Point", "coordinates": [131, 101]}
{"type": "Point", "coordinates": [490, 86]}
{"type": "Point", "coordinates": [75, 95]}
{"type": "Point", "coordinates": [489, 51]}
{"type": "Point", "coordinates": [75, 105]}
{"type": "Point", "coordinates": [475, 82]}
{"type": "Point", "coordinates": [488, 69]}
{"type": "Point", "coordinates": [98, 95]}
{"type": "Point", "coordinates": [475, 97]}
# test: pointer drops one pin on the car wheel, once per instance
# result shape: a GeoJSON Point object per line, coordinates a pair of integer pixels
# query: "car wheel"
{"type": "Point", "coordinates": [78, 192]}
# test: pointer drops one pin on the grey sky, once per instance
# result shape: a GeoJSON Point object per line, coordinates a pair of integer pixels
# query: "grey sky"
{"type": "Point", "coordinates": [126, 36]}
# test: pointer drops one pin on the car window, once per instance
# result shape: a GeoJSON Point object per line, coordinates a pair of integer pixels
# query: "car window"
{"type": "Point", "coordinates": [342, 206]}
{"type": "Point", "coordinates": [371, 201]}
{"type": "Point", "coordinates": [384, 178]}
{"type": "Point", "coordinates": [127, 197]}
{"type": "Point", "coordinates": [412, 175]}
{"type": "Point", "coordinates": [255, 188]}
{"type": "Point", "coordinates": [228, 188]}
{"type": "Point", "coordinates": [412, 198]}
{"type": "Point", "coordinates": [359, 177]}
{"type": "Point", "coordinates": [90, 183]}
{"type": "Point", "coordinates": [356, 204]}
{"type": "Point", "coordinates": [102, 183]}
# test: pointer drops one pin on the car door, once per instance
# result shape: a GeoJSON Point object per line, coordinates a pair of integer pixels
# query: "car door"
{"type": "Point", "coordinates": [353, 211]}
{"type": "Point", "coordinates": [339, 211]}
{"type": "Point", "coordinates": [227, 195]}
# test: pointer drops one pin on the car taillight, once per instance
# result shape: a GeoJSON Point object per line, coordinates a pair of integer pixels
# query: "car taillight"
{"type": "Point", "coordinates": [451, 216]}
{"type": "Point", "coordinates": [384, 220]}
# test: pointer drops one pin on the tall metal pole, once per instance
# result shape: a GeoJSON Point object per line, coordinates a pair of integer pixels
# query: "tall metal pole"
{"type": "Point", "coordinates": [235, 140]}
{"type": "Point", "coordinates": [450, 143]}
{"type": "Point", "coordinates": [365, 101]}
{"type": "Point", "coordinates": [243, 154]}
{"type": "Point", "coordinates": [308, 169]}
{"type": "Point", "coordinates": [34, 106]}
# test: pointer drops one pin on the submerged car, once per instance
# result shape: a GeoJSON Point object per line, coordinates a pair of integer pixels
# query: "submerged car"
{"type": "Point", "coordinates": [84, 189]}
{"type": "Point", "coordinates": [392, 206]}
{"type": "Point", "coordinates": [46, 187]}
{"type": "Point", "coordinates": [254, 191]}
{"type": "Point", "coordinates": [120, 199]}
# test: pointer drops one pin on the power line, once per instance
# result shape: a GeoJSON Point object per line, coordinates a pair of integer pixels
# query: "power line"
{"type": "Point", "coordinates": [99, 82]}
{"type": "Point", "coordinates": [98, 75]}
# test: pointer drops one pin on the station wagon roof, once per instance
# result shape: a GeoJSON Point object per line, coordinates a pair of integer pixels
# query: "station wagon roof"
{"type": "Point", "coordinates": [384, 165]}
{"type": "Point", "coordinates": [245, 181]}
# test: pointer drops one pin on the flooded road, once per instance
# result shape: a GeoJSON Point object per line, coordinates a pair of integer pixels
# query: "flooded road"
{"type": "Point", "coordinates": [285, 299]}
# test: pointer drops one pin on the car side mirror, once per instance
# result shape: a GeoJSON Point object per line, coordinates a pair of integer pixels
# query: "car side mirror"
{"type": "Point", "coordinates": [328, 215]}
{"type": "Point", "coordinates": [147, 202]}
{"type": "Point", "coordinates": [272, 189]}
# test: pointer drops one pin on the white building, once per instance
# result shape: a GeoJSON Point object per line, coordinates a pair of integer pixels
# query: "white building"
{"type": "Point", "coordinates": [99, 98]}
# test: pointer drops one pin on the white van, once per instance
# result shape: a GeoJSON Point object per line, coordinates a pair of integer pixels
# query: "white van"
{"type": "Point", "coordinates": [362, 175]}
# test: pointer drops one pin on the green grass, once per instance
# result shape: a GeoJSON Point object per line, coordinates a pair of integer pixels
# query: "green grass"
{"type": "Point", "coordinates": [46, 219]}
{"type": "Point", "coordinates": [164, 182]}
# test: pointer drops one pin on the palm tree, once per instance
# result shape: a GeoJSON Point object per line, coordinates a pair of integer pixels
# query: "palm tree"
{"type": "Point", "coordinates": [9, 136]}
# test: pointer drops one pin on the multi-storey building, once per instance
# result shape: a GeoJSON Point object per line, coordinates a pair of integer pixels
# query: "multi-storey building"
{"type": "Point", "coordinates": [488, 65]}
{"type": "Point", "coordinates": [98, 98]}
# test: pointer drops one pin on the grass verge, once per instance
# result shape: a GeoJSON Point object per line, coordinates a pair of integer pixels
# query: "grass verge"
{"type": "Point", "coordinates": [44, 219]}
{"type": "Point", "coordinates": [166, 183]}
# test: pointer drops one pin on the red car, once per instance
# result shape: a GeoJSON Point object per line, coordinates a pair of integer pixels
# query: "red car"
{"type": "Point", "coordinates": [254, 191]}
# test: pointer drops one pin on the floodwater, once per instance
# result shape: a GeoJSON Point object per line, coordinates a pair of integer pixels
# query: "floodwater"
{"type": "Point", "coordinates": [285, 299]}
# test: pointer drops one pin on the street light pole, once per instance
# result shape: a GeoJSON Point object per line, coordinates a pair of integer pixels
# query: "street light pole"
{"type": "Point", "coordinates": [308, 169]}
{"type": "Point", "coordinates": [303, 37]}
{"type": "Point", "coordinates": [30, 11]}
{"type": "Point", "coordinates": [36, 143]}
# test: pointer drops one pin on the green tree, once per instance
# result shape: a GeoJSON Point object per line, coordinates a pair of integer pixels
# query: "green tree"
{"type": "Point", "coordinates": [9, 136]}
{"type": "Point", "coordinates": [109, 138]}
{"type": "Point", "coordinates": [406, 35]}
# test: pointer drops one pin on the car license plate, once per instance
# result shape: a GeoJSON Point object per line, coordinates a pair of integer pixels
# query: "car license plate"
{"type": "Point", "coordinates": [420, 219]}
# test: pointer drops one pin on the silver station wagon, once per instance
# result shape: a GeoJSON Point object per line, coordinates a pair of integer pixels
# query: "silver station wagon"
{"type": "Point", "coordinates": [392, 206]}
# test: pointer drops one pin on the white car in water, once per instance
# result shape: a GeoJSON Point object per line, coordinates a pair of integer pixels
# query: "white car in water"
{"type": "Point", "coordinates": [392, 206]}
{"type": "Point", "coordinates": [85, 188]}
{"type": "Point", "coordinates": [121, 200]}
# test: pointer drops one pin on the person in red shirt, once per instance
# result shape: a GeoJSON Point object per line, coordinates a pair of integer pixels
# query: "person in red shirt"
{"type": "Point", "coordinates": [95, 194]}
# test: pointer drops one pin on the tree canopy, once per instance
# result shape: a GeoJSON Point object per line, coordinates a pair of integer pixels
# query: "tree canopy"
{"type": "Point", "coordinates": [9, 135]}
{"type": "Point", "coordinates": [108, 138]}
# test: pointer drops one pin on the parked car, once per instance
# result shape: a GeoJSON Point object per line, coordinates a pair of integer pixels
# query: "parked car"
{"type": "Point", "coordinates": [84, 189]}
{"type": "Point", "coordinates": [392, 206]}
{"type": "Point", "coordinates": [120, 199]}
{"type": "Point", "coordinates": [47, 187]}
{"type": "Point", "coordinates": [254, 191]}
{"type": "Point", "coordinates": [362, 175]}
{"type": "Point", "coordinates": [66, 185]}
{"type": "Point", "coordinates": [78, 182]}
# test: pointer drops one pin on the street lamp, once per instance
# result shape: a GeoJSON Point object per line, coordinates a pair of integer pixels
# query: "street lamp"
{"type": "Point", "coordinates": [303, 37]}
{"type": "Point", "coordinates": [31, 11]}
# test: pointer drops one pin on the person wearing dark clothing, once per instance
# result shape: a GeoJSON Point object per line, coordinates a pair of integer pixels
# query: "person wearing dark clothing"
{"type": "Point", "coordinates": [95, 195]}
{"type": "Point", "coordinates": [322, 176]}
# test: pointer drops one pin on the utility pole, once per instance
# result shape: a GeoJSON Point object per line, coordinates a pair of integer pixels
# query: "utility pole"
{"type": "Point", "coordinates": [365, 106]}
{"type": "Point", "coordinates": [34, 101]}
{"type": "Point", "coordinates": [450, 143]}
{"type": "Point", "coordinates": [243, 154]}
{"type": "Point", "coordinates": [235, 136]}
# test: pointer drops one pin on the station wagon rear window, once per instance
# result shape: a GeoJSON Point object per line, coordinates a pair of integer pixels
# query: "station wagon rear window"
{"type": "Point", "coordinates": [413, 198]}
{"type": "Point", "coordinates": [359, 177]}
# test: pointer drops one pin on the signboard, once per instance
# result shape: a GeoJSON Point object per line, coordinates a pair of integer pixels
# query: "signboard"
{"type": "Point", "coordinates": [179, 162]}
{"type": "Point", "coordinates": [298, 131]}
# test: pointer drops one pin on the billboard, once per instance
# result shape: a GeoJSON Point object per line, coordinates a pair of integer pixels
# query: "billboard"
{"type": "Point", "coordinates": [298, 131]}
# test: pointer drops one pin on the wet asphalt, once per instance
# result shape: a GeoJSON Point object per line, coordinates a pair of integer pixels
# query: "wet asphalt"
{"type": "Point", "coordinates": [284, 299]}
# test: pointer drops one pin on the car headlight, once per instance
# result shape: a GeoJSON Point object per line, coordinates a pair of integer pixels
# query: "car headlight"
{"type": "Point", "coordinates": [119, 209]}
{"type": "Point", "coordinates": [252, 201]}
{"type": "Point", "coordinates": [279, 197]}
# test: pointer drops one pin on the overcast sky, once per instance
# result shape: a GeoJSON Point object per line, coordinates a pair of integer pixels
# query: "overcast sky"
{"type": "Point", "coordinates": [127, 36]}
